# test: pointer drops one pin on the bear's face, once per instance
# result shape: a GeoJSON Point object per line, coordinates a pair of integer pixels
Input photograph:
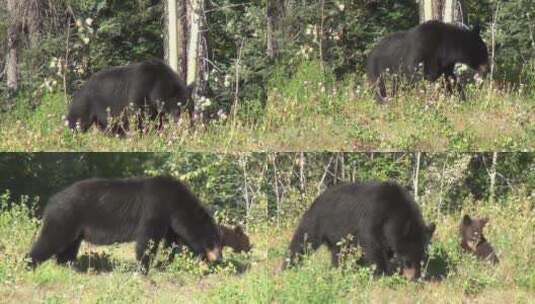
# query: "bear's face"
{"type": "Point", "coordinates": [209, 247]}
{"type": "Point", "coordinates": [471, 231]}
{"type": "Point", "coordinates": [235, 238]}
{"type": "Point", "coordinates": [241, 240]}
{"type": "Point", "coordinates": [478, 56]}
{"type": "Point", "coordinates": [214, 252]}
{"type": "Point", "coordinates": [412, 249]}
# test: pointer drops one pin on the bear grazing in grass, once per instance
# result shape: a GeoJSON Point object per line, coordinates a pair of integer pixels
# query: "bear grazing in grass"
{"type": "Point", "coordinates": [473, 241]}
{"type": "Point", "coordinates": [150, 87]}
{"type": "Point", "coordinates": [437, 45]}
{"type": "Point", "coordinates": [382, 219]}
{"type": "Point", "coordinates": [107, 211]}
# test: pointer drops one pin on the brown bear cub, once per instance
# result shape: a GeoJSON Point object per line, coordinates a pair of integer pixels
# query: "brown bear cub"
{"type": "Point", "coordinates": [234, 238]}
{"type": "Point", "coordinates": [473, 241]}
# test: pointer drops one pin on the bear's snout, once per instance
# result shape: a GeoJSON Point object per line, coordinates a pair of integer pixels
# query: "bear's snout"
{"type": "Point", "coordinates": [214, 255]}
{"type": "Point", "coordinates": [411, 273]}
{"type": "Point", "coordinates": [483, 69]}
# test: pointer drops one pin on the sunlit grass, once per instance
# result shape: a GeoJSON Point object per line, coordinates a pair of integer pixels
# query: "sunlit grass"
{"type": "Point", "coordinates": [307, 112]}
{"type": "Point", "coordinates": [108, 274]}
{"type": "Point", "coordinates": [465, 280]}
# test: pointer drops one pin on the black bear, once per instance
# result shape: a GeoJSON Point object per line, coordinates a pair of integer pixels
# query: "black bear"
{"type": "Point", "coordinates": [473, 240]}
{"type": "Point", "coordinates": [382, 219]}
{"type": "Point", "coordinates": [107, 211]}
{"type": "Point", "coordinates": [150, 87]}
{"type": "Point", "coordinates": [234, 238]}
{"type": "Point", "coordinates": [438, 46]}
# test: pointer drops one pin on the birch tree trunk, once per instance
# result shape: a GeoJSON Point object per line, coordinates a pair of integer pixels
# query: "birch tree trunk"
{"type": "Point", "coordinates": [182, 38]}
{"type": "Point", "coordinates": [34, 21]}
{"type": "Point", "coordinates": [454, 11]}
{"type": "Point", "coordinates": [193, 43]}
{"type": "Point", "coordinates": [449, 11]}
{"type": "Point", "coordinates": [195, 13]}
{"type": "Point", "coordinates": [416, 175]}
{"type": "Point", "coordinates": [492, 187]}
{"type": "Point", "coordinates": [275, 12]}
{"type": "Point", "coordinates": [13, 37]}
{"type": "Point", "coordinates": [172, 35]}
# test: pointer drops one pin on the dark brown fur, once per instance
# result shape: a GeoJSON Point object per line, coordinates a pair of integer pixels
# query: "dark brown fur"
{"type": "Point", "coordinates": [473, 240]}
{"type": "Point", "coordinates": [234, 238]}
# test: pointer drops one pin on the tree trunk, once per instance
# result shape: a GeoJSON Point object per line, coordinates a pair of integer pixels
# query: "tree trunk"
{"type": "Point", "coordinates": [172, 35]}
{"type": "Point", "coordinates": [182, 38]}
{"type": "Point", "coordinates": [273, 158]}
{"type": "Point", "coordinates": [193, 43]}
{"type": "Point", "coordinates": [302, 180]}
{"type": "Point", "coordinates": [195, 13]}
{"type": "Point", "coordinates": [492, 187]}
{"type": "Point", "coordinates": [13, 38]}
{"type": "Point", "coordinates": [272, 46]}
{"type": "Point", "coordinates": [427, 10]}
{"type": "Point", "coordinates": [275, 13]}
{"type": "Point", "coordinates": [449, 11]}
{"type": "Point", "coordinates": [34, 21]}
{"type": "Point", "coordinates": [416, 175]}
{"type": "Point", "coordinates": [454, 11]}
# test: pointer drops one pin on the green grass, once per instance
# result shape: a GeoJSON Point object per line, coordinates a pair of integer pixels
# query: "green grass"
{"type": "Point", "coordinates": [464, 278]}
{"type": "Point", "coordinates": [113, 277]}
{"type": "Point", "coordinates": [308, 112]}
{"type": "Point", "coordinates": [108, 274]}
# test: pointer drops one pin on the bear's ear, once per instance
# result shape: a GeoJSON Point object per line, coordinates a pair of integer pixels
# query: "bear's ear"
{"type": "Point", "coordinates": [484, 221]}
{"type": "Point", "coordinates": [467, 220]}
{"type": "Point", "coordinates": [477, 29]}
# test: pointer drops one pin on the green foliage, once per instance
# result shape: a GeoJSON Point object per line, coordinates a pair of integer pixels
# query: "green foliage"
{"type": "Point", "coordinates": [516, 48]}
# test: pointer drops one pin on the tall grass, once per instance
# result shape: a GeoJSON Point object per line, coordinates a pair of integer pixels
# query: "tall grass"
{"type": "Point", "coordinates": [108, 274]}
{"type": "Point", "coordinates": [452, 276]}
{"type": "Point", "coordinates": [309, 111]}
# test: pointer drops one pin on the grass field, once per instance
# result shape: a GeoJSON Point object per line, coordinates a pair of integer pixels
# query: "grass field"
{"type": "Point", "coordinates": [308, 112]}
{"type": "Point", "coordinates": [454, 277]}
{"type": "Point", "coordinates": [108, 274]}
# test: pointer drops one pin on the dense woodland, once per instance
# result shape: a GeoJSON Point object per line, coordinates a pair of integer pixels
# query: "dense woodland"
{"type": "Point", "coordinates": [59, 44]}
{"type": "Point", "coordinates": [249, 185]}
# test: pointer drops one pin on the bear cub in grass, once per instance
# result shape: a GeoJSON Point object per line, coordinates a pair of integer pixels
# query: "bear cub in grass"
{"type": "Point", "coordinates": [473, 240]}
{"type": "Point", "coordinates": [150, 87]}
{"type": "Point", "coordinates": [382, 219]}
{"type": "Point", "coordinates": [106, 211]}
{"type": "Point", "coordinates": [234, 238]}
{"type": "Point", "coordinates": [436, 45]}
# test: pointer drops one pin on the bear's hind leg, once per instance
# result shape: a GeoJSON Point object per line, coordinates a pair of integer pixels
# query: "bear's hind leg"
{"type": "Point", "coordinates": [147, 244]}
{"type": "Point", "coordinates": [335, 255]}
{"type": "Point", "coordinates": [145, 252]}
{"type": "Point", "coordinates": [51, 241]}
{"type": "Point", "coordinates": [173, 243]}
{"type": "Point", "coordinates": [70, 253]}
{"type": "Point", "coordinates": [374, 253]}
